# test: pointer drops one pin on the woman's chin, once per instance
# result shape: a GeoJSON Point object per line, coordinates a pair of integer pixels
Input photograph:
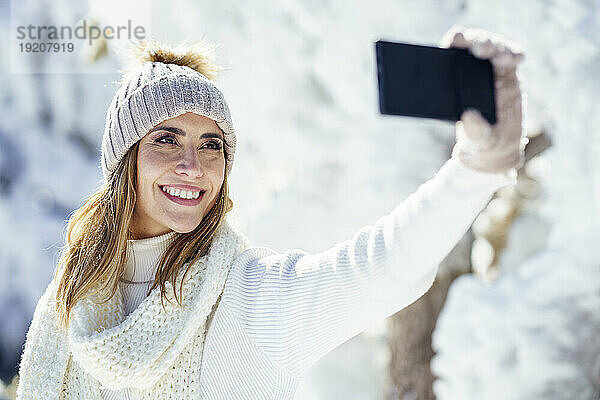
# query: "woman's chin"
{"type": "Point", "coordinates": [183, 228]}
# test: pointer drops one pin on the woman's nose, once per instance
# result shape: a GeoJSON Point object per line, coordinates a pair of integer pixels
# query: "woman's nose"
{"type": "Point", "coordinates": [189, 164]}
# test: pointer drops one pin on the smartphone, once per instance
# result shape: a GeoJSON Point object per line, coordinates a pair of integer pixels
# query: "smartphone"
{"type": "Point", "coordinates": [433, 82]}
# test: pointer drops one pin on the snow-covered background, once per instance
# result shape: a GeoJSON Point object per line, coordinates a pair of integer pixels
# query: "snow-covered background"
{"type": "Point", "coordinates": [316, 162]}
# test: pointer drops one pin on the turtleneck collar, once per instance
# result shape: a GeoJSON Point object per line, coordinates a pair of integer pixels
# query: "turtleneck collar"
{"type": "Point", "coordinates": [143, 256]}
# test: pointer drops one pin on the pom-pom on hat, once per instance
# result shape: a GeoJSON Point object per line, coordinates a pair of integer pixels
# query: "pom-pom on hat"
{"type": "Point", "coordinates": [163, 82]}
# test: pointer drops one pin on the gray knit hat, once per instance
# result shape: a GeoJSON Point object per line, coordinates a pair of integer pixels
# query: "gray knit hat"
{"type": "Point", "coordinates": [156, 91]}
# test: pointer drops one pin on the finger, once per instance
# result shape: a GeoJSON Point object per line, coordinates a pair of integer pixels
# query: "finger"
{"type": "Point", "coordinates": [479, 34]}
{"type": "Point", "coordinates": [455, 38]}
{"type": "Point", "coordinates": [483, 48]}
{"type": "Point", "coordinates": [484, 44]}
{"type": "Point", "coordinates": [485, 41]}
{"type": "Point", "coordinates": [476, 126]}
{"type": "Point", "coordinates": [492, 45]}
{"type": "Point", "coordinates": [507, 58]}
{"type": "Point", "coordinates": [504, 45]}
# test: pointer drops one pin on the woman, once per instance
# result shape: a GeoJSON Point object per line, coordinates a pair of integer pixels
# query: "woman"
{"type": "Point", "coordinates": [239, 322]}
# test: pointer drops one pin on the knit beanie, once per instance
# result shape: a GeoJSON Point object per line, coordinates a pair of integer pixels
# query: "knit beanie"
{"type": "Point", "coordinates": [163, 82]}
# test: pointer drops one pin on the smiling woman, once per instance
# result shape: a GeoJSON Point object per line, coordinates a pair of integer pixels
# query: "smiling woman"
{"type": "Point", "coordinates": [247, 322]}
{"type": "Point", "coordinates": [180, 162]}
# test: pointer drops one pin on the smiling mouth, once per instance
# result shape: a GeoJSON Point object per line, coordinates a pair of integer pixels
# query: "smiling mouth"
{"type": "Point", "coordinates": [191, 198]}
{"type": "Point", "coordinates": [181, 193]}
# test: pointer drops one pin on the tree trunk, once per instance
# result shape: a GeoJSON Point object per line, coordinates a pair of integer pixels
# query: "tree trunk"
{"type": "Point", "coordinates": [411, 328]}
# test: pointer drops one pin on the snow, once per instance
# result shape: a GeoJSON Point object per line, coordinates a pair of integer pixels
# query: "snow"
{"type": "Point", "coordinates": [316, 162]}
{"type": "Point", "coordinates": [533, 333]}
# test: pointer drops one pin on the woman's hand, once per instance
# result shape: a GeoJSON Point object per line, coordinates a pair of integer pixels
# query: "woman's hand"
{"type": "Point", "coordinates": [479, 145]}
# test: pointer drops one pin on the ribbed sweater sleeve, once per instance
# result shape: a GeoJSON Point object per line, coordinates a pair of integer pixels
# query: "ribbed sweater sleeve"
{"type": "Point", "coordinates": [298, 306]}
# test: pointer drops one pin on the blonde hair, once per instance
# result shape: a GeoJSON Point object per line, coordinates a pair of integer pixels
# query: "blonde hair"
{"type": "Point", "coordinates": [96, 241]}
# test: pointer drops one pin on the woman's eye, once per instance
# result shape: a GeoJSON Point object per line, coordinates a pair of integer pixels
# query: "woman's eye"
{"type": "Point", "coordinates": [168, 139]}
{"type": "Point", "coordinates": [214, 145]}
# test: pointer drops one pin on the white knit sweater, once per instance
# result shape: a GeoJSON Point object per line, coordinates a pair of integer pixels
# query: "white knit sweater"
{"type": "Point", "coordinates": [279, 312]}
{"type": "Point", "coordinates": [142, 260]}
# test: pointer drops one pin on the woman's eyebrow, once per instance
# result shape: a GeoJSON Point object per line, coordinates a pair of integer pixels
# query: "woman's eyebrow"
{"type": "Point", "coordinates": [181, 132]}
{"type": "Point", "coordinates": [211, 135]}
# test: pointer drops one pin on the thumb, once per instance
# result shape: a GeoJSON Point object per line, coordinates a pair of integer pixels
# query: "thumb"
{"type": "Point", "coordinates": [475, 127]}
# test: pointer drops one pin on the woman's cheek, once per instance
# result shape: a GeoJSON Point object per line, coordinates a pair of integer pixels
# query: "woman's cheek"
{"type": "Point", "coordinates": [157, 161]}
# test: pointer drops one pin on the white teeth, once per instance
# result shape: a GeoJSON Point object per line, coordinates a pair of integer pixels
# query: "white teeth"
{"type": "Point", "coordinates": [184, 194]}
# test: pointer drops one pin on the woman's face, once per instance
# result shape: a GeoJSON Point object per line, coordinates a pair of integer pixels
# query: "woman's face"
{"type": "Point", "coordinates": [180, 170]}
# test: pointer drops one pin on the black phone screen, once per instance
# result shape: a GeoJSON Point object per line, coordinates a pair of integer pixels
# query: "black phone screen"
{"type": "Point", "coordinates": [432, 82]}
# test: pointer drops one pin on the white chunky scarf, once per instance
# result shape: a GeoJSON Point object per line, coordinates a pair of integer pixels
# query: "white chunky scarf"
{"type": "Point", "coordinates": [136, 351]}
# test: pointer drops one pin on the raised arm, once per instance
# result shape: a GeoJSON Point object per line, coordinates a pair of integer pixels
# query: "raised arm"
{"type": "Point", "coordinates": [299, 306]}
